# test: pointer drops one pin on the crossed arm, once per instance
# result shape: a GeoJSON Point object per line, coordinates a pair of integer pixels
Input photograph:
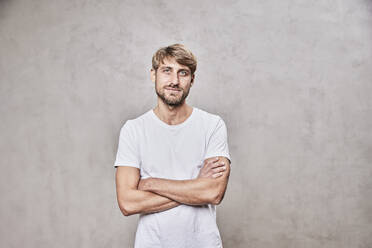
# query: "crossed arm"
{"type": "Point", "coordinates": [155, 194]}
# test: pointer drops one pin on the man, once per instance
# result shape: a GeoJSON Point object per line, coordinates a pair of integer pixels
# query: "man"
{"type": "Point", "coordinates": [173, 162]}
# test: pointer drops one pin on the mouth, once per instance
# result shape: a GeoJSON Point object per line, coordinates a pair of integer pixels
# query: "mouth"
{"type": "Point", "coordinates": [172, 89]}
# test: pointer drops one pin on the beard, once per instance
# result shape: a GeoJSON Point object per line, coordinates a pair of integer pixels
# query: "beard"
{"type": "Point", "coordinates": [173, 99]}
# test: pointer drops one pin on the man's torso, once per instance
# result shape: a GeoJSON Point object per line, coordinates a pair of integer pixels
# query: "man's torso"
{"type": "Point", "coordinates": [176, 152]}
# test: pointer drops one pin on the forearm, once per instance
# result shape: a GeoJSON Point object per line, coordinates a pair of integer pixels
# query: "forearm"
{"type": "Point", "coordinates": [197, 191]}
{"type": "Point", "coordinates": [143, 202]}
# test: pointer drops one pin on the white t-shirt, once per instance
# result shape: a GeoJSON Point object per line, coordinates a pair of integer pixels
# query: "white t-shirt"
{"type": "Point", "coordinates": [174, 152]}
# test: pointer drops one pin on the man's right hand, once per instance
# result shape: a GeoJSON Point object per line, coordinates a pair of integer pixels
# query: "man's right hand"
{"type": "Point", "coordinates": [212, 168]}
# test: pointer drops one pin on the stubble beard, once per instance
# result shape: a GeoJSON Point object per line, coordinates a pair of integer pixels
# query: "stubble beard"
{"type": "Point", "coordinates": [173, 101]}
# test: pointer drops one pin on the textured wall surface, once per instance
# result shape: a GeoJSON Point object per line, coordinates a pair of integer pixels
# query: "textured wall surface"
{"type": "Point", "coordinates": [291, 79]}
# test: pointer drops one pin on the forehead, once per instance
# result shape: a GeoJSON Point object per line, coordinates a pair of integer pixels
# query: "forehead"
{"type": "Point", "coordinates": [171, 62]}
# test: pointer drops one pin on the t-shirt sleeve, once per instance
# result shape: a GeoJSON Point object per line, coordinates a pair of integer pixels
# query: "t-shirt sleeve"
{"type": "Point", "coordinates": [217, 144]}
{"type": "Point", "coordinates": [127, 154]}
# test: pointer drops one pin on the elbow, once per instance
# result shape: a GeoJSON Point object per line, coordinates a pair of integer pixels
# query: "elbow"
{"type": "Point", "coordinates": [216, 200]}
{"type": "Point", "coordinates": [125, 208]}
{"type": "Point", "coordinates": [218, 195]}
{"type": "Point", "coordinates": [125, 212]}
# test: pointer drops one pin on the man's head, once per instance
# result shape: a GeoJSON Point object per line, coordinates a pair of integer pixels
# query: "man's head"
{"type": "Point", "coordinates": [173, 71]}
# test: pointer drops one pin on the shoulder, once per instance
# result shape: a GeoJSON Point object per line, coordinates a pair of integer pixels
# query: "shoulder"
{"type": "Point", "coordinates": [134, 127]}
{"type": "Point", "coordinates": [137, 123]}
{"type": "Point", "coordinates": [210, 119]}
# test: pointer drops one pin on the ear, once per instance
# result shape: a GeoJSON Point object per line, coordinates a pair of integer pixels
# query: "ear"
{"type": "Point", "coordinates": [192, 79]}
{"type": "Point", "coordinates": [153, 75]}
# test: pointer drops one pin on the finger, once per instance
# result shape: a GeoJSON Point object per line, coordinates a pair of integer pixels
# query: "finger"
{"type": "Point", "coordinates": [217, 175]}
{"type": "Point", "coordinates": [219, 169]}
{"type": "Point", "coordinates": [213, 160]}
{"type": "Point", "coordinates": [219, 164]}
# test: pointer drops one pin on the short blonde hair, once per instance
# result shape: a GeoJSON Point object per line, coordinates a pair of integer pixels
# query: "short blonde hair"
{"type": "Point", "coordinates": [181, 54]}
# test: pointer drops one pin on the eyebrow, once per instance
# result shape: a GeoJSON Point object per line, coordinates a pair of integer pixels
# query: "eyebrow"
{"type": "Point", "coordinates": [169, 67]}
{"type": "Point", "coordinates": [165, 67]}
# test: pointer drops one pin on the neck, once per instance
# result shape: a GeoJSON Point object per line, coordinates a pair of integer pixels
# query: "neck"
{"type": "Point", "coordinates": [172, 115]}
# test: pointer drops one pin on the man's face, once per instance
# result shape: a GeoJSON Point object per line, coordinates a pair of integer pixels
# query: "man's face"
{"type": "Point", "coordinates": [172, 82]}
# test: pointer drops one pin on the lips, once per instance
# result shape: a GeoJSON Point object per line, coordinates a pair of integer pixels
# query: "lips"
{"type": "Point", "coordinates": [171, 89]}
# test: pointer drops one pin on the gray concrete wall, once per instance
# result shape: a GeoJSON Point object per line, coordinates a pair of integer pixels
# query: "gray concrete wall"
{"type": "Point", "coordinates": [292, 80]}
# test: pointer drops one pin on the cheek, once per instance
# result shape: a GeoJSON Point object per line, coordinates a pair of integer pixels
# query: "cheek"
{"type": "Point", "coordinates": [162, 79]}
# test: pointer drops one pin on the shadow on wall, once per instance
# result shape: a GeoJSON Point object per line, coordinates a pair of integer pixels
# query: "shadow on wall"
{"type": "Point", "coordinates": [4, 6]}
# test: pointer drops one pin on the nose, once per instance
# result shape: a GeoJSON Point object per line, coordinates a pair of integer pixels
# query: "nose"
{"type": "Point", "coordinates": [174, 79]}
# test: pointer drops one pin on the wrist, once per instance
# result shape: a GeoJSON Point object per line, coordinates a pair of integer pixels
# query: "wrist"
{"type": "Point", "coordinates": [144, 184]}
{"type": "Point", "coordinates": [148, 184]}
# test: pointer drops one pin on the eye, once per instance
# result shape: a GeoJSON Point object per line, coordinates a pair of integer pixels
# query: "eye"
{"type": "Point", "coordinates": [166, 70]}
{"type": "Point", "coordinates": [184, 73]}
